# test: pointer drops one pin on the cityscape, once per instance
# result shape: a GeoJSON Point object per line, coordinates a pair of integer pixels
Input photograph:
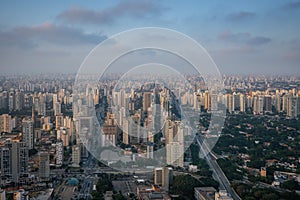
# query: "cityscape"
{"type": "Point", "coordinates": [150, 100]}
{"type": "Point", "coordinates": [44, 157]}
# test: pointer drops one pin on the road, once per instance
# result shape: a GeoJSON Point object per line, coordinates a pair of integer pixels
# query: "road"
{"type": "Point", "coordinates": [88, 181]}
{"type": "Point", "coordinates": [218, 174]}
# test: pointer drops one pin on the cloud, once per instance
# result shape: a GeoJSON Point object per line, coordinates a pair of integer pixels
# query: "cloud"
{"type": "Point", "coordinates": [243, 38]}
{"type": "Point", "coordinates": [293, 50]}
{"type": "Point", "coordinates": [239, 16]}
{"type": "Point", "coordinates": [258, 40]}
{"type": "Point", "coordinates": [136, 9]}
{"type": "Point", "coordinates": [292, 5]}
{"type": "Point", "coordinates": [31, 36]}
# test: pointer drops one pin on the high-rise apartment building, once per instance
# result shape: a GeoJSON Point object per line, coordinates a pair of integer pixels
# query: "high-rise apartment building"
{"type": "Point", "coordinates": [59, 121]}
{"type": "Point", "coordinates": [76, 157]}
{"type": "Point", "coordinates": [109, 131]}
{"type": "Point", "coordinates": [5, 123]}
{"type": "Point", "coordinates": [267, 103]}
{"type": "Point", "coordinates": [63, 134]}
{"type": "Point", "coordinates": [242, 103]}
{"type": "Point", "coordinates": [13, 159]}
{"type": "Point", "coordinates": [174, 143]}
{"type": "Point", "coordinates": [147, 98]}
{"type": "Point", "coordinates": [44, 169]}
{"type": "Point", "coordinates": [19, 100]}
{"type": "Point", "coordinates": [158, 175]}
{"type": "Point", "coordinates": [27, 130]}
{"type": "Point", "coordinates": [163, 176]}
{"type": "Point", "coordinates": [59, 153]}
{"type": "Point", "coordinates": [11, 101]}
{"type": "Point", "coordinates": [292, 106]}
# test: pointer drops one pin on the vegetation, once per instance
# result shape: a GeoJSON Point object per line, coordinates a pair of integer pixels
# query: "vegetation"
{"type": "Point", "coordinates": [183, 185]}
{"type": "Point", "coordinates": [104, 184]}
{"type": "Point", "coordinates": [248, 192]}
{"type": "Point", "coordinates": [230, 169]}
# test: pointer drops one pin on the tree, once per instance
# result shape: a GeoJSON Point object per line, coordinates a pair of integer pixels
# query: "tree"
{"type": "Point", "coordinates": [184, 185]}
{"type": "Point", "coordinates": [118, 196]}
{"type": "Point", "coordinates": [291, 185]}
{"type": "Point", "coordinates": [269, 196]}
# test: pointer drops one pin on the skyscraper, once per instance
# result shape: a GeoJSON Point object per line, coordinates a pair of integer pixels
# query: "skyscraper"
{"type": "Point", "coordinates": [230, 105]}
{"type": "Point", "coordinates": [174, 143]}
{"type": "Point", "coordinates": [59, 153]}
{"type": "Point", "coordinates": [57, 108]}
{"type": "Point", "coordinates": [27, 127]}
{"type": "Point", "coordinates": [242, 103]}
{"type": "Point", "coordinates": [207, 100]}
{"type": "Point", "coordinates": [13, 159]}
{"type": "Point", "coordinates": [134, 129]}
{"type": "Point", "coordinates": [167, 180]}
{"type": "Point", "coordinates": [158, 175]}
{"type": "Point", "coordinates": [44, 169]}
{"type": "Point", "coordinates": [11, 101]}
{"type": "Point", "coordinates": [5, 123]}
{"type": "Point", "coordinates": [292, 107]}
{"type": "Point", "coordinates": [76, 157]}
{"type": "Point", "coordinates": [19, 100]}
{"type": "Point", "coordinates": [125, 131]}
{"type": "Point", "coordinates": [163, 176]}
{"type": "Point", "coordinates": [109, 131]}
{"type": "Point", "coordinates": [267, 103]}
{"type": "Point", "coordinates": [63, 134]}
{"type": "Point", "coordinates": [146, 101]}
{"type": "Point", "coordinates": [236, 101]}
{"type": "Point", "coordinates": [59, 121]}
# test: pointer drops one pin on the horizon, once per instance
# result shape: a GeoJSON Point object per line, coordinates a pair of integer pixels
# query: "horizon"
{"type": "Point", "coordinates": [242, 38]}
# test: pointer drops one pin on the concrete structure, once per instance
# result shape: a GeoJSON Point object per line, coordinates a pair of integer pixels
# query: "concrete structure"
{"type": "Point", "coordinates": [163, 176]}
{"type": "Point", "coordinates": [59, 153]}
{"type": "Point", "coordinates": [59, 121]}
{"type": "Point", "coordinates": [147, 98]}
{"type": "Point", "coordinates": [44, 169]}
{"type": "Point", "coordinates": [204, 193]}
{"type": "Point", "coordinates": [2, 195]}
{"type": "Point", "coordinates": [76, 156]}
{"type": "Point", "coordinates": [64, 134]}
{"type": "Point", "coordinates": [222, 195]}
{"type": "Point", "coordinates": [109, 131]}
{"type": "Point", "coordinates": [13, 159]}
{"type": "Point", "coordinates": [158, 176]}
{"type": "Point", "coordinates": [5, 123]}
{"type": "Point", "coordinates": [174, 143]}
{"type": "Point", "coordinates": [28, 134]}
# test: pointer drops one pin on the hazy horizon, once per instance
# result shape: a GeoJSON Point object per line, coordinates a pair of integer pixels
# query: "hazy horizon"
{"type": "Point", "coordinates": [241, 37]}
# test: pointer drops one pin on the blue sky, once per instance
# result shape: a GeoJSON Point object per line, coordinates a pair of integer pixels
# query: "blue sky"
{"type": "Point", "coordinates": [257, 37]}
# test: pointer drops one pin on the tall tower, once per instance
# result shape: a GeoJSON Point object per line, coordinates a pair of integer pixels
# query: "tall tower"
{"type": "Point", "coordinates": [146, 101]}
{"type": "Point", "coordinates": [76, 157]}
{"type": "Point", "coordinates": [33, 115]}
{"type": "Point", "coordinates": [44, 170]}
{"type": "Point", "coordinates": [28, 135]}
{"type": "Point", "coordinates": [13, 159]}
{"type": "Point", "coordinates": [174, 143]}
{"type": "Point", "coordinates": [59, 153]}
{"type": "Point", "coordinates": [292, 108]}
{"type": "Point", "coordinates": [206, 100]}
{"type": "Point", "coordinates": [5, 123]}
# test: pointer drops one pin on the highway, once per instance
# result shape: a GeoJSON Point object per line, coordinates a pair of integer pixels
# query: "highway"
{"type": "Point", "coordinates": [218, 174]}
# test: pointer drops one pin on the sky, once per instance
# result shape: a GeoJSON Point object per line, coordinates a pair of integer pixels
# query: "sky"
{"type": "Point", "coordinates": [242, 37]}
